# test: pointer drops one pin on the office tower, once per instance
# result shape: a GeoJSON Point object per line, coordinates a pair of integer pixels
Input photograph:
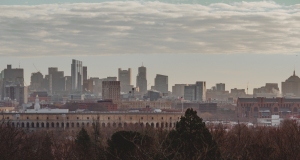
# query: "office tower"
{"type": "Point", "coordinates": [141, 79]}
{"type": "Point", "coordinates": [291, 86]}
{"type": "Point", "coordinates": [77, 75]}
{"type": "Point", "coordinates": [57, 82]}
{"type": "Point", "coordinates": [84, 69]}
{"type": "Point", "coordinates": [125, 80]}
{"type": "Point", "coordinates": [12, 79]}
{"type": "Point", "coordinates": [36, 81]}
{"type": "Point", "coordinates": [178, 90]}
{"type": "Point", "coordinates": [68, 83]}
{"type": "Point", "coordinates": [220, 86]}
{"type": "Point", "coordinates": [189, 92]}
{"type": "Point", "coordinates": [161, 83]}
{"type": "Point", "coordinates": [88, 85]}
{"type": "Point", "coordinates": [15, 91]}
{"type": "Point", "coordinates": [200, 91]}
{"type": "Point", "coordinates": [111, 90]}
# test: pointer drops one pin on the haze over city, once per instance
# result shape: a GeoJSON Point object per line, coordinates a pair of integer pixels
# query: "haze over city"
{"type": "Point", "coordinates": [151, 79]}
{"type": "Point", "coordinates": [221, 41]}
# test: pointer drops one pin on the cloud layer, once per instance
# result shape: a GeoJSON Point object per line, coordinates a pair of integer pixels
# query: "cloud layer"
{"type": "Point", "coordinates": [146, 28]}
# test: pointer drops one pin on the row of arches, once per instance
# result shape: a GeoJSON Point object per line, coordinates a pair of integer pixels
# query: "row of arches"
{"type": "Point", "coordinates": [78, 124]}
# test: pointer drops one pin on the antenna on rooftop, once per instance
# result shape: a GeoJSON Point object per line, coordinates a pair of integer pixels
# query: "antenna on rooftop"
{"type": "Point", "coordinates": [247, 87]}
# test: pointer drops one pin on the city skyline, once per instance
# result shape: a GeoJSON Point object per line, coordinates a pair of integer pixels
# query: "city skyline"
{"type": "Point", "coordinates": [231, 42]}
{"type": "Point", "coordinates": [180, 74]}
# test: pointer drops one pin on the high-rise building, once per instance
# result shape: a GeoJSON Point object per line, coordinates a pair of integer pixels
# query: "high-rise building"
{"type": "Point", "coordinates": [125, 80]}
{"type": "Point", "coordinates": [141, 79]}
{"type": "Point", "coordinates": [189, 92]}
{"type": "Point", "coordinates": [9, 78]}
{"type": "Point", "coordinates": [77, 75]}
{"type": "Point", "coordinates": [291, 86]}
{"type": "Point", "coordinates": [195, 92]}
{"type": "Point", "coordinates": [84, 68]}
{"type": "Point", "coordinates": [178, 90]}
{"type": "Point", "coordinates": [200, 91]}
{"type": "Point", "coordinates": [68, 83]}
{"type": "Point", "coordinates": [36, 81]}
{"type": "Point", "coordinates": [15, 91]}
{"type": "Point", "coordinates": [220, 86]}
{"type": "Point", "coordinates": [161, 83]}
{"type": "Point", "coordinates": [57, 81]}
{"type": "Point", "coordinates": [111, 90]}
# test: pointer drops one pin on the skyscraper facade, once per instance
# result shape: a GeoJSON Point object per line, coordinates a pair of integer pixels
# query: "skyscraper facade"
{"type": "Point", "coordinates": [77, 75]}
{"type": "Point", "coordinates": [178, 90]}
{"type": "Point", "coordinates": [36, 81]}
{"type": "Point", "coordinates": [57, 82]}
{"type": "Point", "coordinates": [84, 68]}
{"type": "Point", "coordinates": [125, 80]}
{"type": "Point", "coordinates": [189, 92]}
{"type": "Point", "coordinates": [12, 79]}
{"type": "Point", "coordinates": [111, 90]}
{"type": "Point", "coordinates": [141, 79]}
{"type": "Point", "coordinates": [291, 86]}
{"type": "Point", "coordinates": [200, 91]}
{"type": "Point", "coordinates": [220, 86]}
{"type": "Point", "coordinates": [161, 83]}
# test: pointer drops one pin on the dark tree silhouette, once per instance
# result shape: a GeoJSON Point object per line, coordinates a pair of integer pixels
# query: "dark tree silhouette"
{"type": "Point", "coordinates": [191, 139]}
{"type": "Point", "coordinates": [128, 145]}
{"type": "Point", "coordinates": [83, 143]}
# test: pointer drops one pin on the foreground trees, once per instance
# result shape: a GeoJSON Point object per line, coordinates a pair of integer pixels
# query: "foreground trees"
{"type": "Point", "coordinates": [190, 139]}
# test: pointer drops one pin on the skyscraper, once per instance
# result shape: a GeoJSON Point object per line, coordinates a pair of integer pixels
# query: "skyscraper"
{"type": "Point", "coordinates": [36, 81]}
{"type": "Point", "coordinates": [291, 86]}
{"type": "Point", "coordinates": [84, 68]}
{"type": "Point", "coordinates": [125, 80]}
{"type": "Point", "coordinates": [195, 92]}
{"type": "Point", "coordinates": [141, 79]}
{"type": "Point", "coordinates": [161, 83]}
{"type": "Point", "coordinates": [77, 75]}
{"type": "Point", "coordinates": [111, 90]}
{"type": "Point", "coordinates": [178, 90]}
{"type": "Point", "coordinates": [220, 86]}
{"type": "Point", "coordinates": [200, 91]}
{"type": "Point", "coordinates": [56, 80]}
{"type": "Point", "coordinates": [13, 83]}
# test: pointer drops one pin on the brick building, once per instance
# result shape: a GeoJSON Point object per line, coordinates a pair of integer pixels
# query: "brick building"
{"type": "Point", "coordinates": [265, 107]}
{"type": "Point", "coordinates": [111, 90]}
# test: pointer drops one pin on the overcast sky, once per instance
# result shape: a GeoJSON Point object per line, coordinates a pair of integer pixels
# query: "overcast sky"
{"type": "Point", "coordinates": [234, 43]}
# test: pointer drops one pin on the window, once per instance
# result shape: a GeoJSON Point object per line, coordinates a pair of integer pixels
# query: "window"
{"type": "Point", "coordinates": [162, 117]}
{"type": "Point", "coordinates": [108, 118]}
{"type": "Point", "coordinates": [88, 117]}
{"type": "Point", "coordinates": [77, 117]}
{"type": "Point", "coordinates": [37, 117]}
{"type": "Point", "coordinates": [170, 117]}
{"type": "Point", "coordinates": [47, 117]}
{"type": "Point", "coordinates": [130, 118]}
{"type": "Point", "coordinates": [27, 117]}
{"type": "Point", "coordinates": [7, 117]}
{"type": "Point", "coordinates": [142, 118]}
{"type": "Point", "coordinates": [119, 118]}
{"type": "Point", "coordinates": [152, 118]}
{"type": "Point", "coordinates": [56, 117]}
{"type": "Point", "coordinates": [67, 117]}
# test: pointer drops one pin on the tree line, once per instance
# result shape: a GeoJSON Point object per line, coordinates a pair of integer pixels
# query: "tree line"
{"type": "Point", "coordinates": [191, 139]}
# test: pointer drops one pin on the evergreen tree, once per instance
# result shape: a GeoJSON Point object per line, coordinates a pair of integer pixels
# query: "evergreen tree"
{"type": "Point", "coordinates": [128, 145]}
{"type": "Point", "coordinates": [83, 143]}
{"type": "Point", "coordinates": [191, 139]}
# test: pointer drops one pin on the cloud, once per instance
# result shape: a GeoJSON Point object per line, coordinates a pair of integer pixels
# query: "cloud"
{"type": "Point", "coordinates": [110, 28]}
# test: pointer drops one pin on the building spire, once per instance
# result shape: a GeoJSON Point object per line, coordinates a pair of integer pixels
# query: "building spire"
{"type": "Point", "coordinates": [294, 73]}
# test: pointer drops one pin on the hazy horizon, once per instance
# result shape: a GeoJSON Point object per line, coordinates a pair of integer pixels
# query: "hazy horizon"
{"type": "Point", "coordinates": [230, 42]}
